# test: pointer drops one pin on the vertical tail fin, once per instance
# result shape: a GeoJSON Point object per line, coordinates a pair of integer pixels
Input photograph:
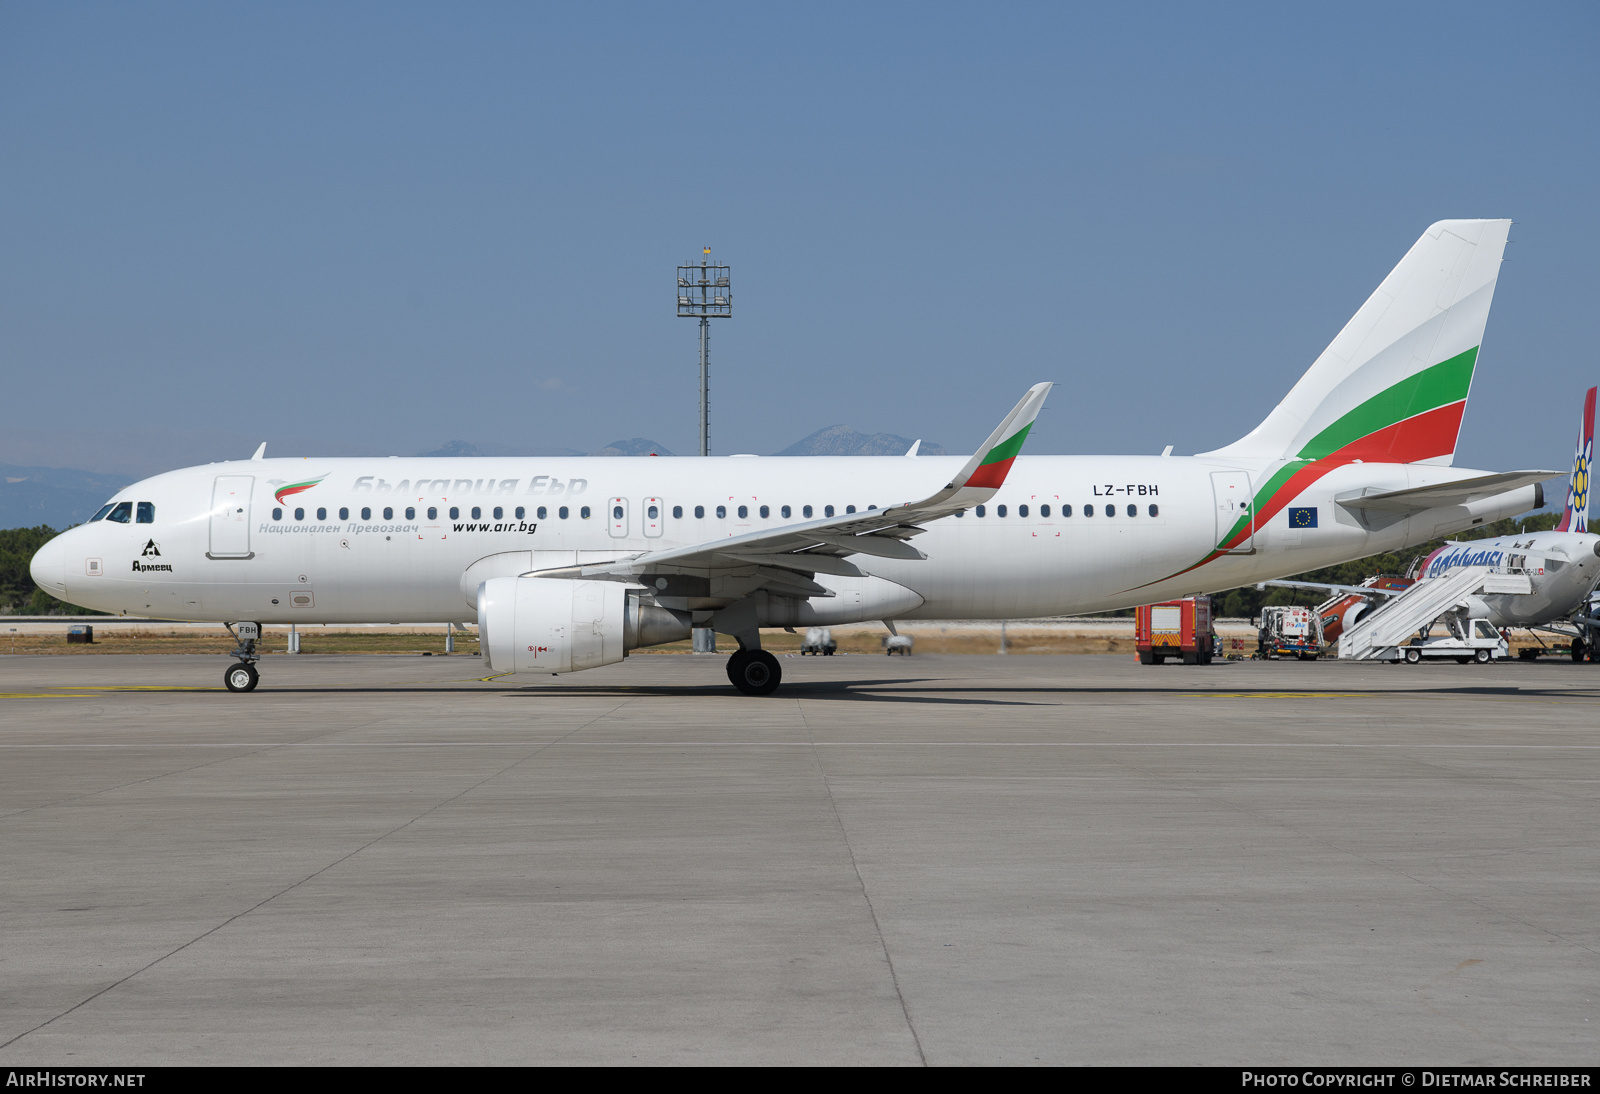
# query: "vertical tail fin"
{"type": "Point", "coordinates": [1576, 516]}
{"type": "Point", "coordinates": [1391, 388]}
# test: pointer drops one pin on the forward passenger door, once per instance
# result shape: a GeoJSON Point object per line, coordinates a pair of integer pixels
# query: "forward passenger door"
{"type": "Point", "coordinates": [230, 516]}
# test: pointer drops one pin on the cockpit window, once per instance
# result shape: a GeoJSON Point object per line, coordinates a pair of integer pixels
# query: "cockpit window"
{"type": "Point", "coordinates": [122, 512]}
{"type": "Point", "coordinates": [147, 512]}
{"type": "Point", "coordinates": [101, 515]}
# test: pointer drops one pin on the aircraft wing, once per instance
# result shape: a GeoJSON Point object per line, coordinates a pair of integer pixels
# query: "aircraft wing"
{"type": "Point", "coordinates": [1361, 589]}
{"type": "Point", "coordinates": [1460, 492]}
{"type": "Point", "coordinates": [785, 558]}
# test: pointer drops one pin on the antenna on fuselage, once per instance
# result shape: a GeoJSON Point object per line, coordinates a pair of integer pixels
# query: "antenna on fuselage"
{"type": "Point", "coordinates": [261, 452]}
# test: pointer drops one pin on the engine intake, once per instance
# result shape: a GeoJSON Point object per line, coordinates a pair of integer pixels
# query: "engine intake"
{"type": "Point", "coordinates": [551, 625]}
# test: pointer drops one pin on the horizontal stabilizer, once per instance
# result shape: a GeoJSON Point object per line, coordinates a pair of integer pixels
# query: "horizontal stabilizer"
{"type": "Point", "coordinates": [1460, 492]}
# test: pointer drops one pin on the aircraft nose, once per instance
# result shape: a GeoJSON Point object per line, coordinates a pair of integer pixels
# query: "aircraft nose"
{"type": "Point", "coordinates": [49, 568]}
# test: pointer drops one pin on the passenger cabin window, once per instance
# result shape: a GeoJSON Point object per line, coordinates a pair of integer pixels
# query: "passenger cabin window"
{"type": "Point", "coordinates": [805, 511]}
{"type": "Point", "coordinates": [677, 512]}
{"type": "Point", "coordinates": [366, 512]}
{"type": "Point", "coordinates": [744, 512]}
{"type": "Point", "coordinates": [980, 510]}
{"type": "Point", "coordinates": [499, 513]}
{"type": "Point", "coordinates": [1155, 510]}
{"type": "Point", "coordinates": [616, 512]}
{"type": "Point", "coordinates": [584, 512]}
{"type": "Point", "coordinates": [122, 512]}
{"type": "Point", "coordinates": [785, 511]}
{"type": "Point", "coordinates": [322, 513]}
{"type": "Point", "coordinates": [1066, 511]}
{"type": "Point", "coordinates": [277, 514]}
{"type": "Point", "coordinates": [849, 508]}
{"type": "Point", "coordinates": [1022, 510]}
{"type": "Point", "coordinates": [542, 512]}
{"type": "Point", "coordinates": [699, 512]}
{"type": "Point", "coordinates": [765, 512]}
{"type": "Point", "coordinates": [999, 510]}
{"type": "Point", "coordinates": [562, 512]}
{"type": "Point", "coordinates": [411, 512]}
{"type": "Point", "coordinates": [1133, 510]}
{"type": "Point", "coordinates": [827, 510]}
{"type": "Point", "coordinates": [344, 514]}
{"type": "Point", "coordinates": [299, 514]}
{"type": "Point", "coordinates": [1111, 510]}
{"type": "Point", "coordinates": [722, 512]}
{"type": "Point", "coordinates": [521, 512]}
{"type": "Point", "coordinates": [1088, 510]}
{"type": "Point", "coordinates": [147, 512]}
{"type": "Point", "coordinates": [652, 512]}
{"type": "Point", "coordinates": [477, 513]}
{"type": "Point", "coordinates": [455, 513]}
{"type": "Point", "coordinates": [433, 513]}
{"type": "Point", "coordinates": [388, 512]}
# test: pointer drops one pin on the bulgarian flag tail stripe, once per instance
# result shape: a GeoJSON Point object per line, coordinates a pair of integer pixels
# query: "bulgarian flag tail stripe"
{"type": "Point", "coordinates": [989, 466]}
{"type": "Point", "coordinates": [295, 487]}
{"type": "Point", "coordinates": [1418, 418]}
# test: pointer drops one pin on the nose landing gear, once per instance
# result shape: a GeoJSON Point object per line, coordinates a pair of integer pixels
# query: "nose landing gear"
{"type": "Point", "coordinates": [754, 672]}
{"type": "Point", "coordinates": [243, 676]}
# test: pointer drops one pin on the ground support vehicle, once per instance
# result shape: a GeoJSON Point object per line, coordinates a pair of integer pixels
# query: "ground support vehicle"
{"type": "Point", "coordinates": [1176, 628]}
{"type": "Point", "coordinates": [1288, 631]}
{"type": "Point", "coordinates": [818, 642]}
{"type": "Point", "coordinates": [1475, 640]}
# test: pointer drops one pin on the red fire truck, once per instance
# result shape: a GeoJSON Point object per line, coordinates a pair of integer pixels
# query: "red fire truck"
{"type": "Point", "coordinates": [1177, 628]}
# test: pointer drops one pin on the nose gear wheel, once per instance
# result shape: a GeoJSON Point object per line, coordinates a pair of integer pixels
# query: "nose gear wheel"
{"type": "Point", "coordinates": [241, 677]}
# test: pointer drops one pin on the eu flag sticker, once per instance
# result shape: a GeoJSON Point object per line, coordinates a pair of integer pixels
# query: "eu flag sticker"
{"type": "Point", "coordinates": [1303, 518]}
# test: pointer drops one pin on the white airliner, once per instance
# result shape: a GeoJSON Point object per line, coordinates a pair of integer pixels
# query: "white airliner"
{"type": "Point", "coordinates": [567, 564]}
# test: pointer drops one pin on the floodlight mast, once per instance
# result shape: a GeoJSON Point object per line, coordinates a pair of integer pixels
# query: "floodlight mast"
{"type": "Point", "coordinates": [704, 293]}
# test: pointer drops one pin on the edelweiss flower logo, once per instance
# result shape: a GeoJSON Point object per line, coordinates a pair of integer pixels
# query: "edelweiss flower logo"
{"type": "Point", "coordinates": [1580, 479]}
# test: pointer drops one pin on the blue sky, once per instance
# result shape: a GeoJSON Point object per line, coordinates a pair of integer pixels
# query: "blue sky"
{"type": "Point", "coordinates": [377, 227]}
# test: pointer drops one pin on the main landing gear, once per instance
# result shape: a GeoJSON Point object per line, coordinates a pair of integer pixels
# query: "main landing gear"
{"type": "Point", "coordinates": [243, 676]}
{"type": "Point", "coordinates": [754, 672]}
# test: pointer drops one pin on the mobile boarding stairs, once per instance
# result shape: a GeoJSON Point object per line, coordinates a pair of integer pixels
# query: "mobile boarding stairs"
{"type": "Point", "coordinates": [1379, 634]}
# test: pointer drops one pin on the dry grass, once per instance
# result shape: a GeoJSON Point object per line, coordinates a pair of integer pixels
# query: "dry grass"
{"type": "Point", "coordinates": [113, 640]}
{"type": "Point", "coordinates": [862, 641]}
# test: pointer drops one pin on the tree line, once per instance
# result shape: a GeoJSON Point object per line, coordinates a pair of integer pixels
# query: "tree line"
{"type": "Point", "coordinates": [18, 594]}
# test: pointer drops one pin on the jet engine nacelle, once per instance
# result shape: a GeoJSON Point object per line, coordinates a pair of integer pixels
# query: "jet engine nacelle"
{"type": "Point", "coordinates": [551, 625]}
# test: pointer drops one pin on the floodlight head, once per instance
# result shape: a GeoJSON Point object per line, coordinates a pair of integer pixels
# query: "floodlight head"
{"type": "Point", "coordinates": [704, 289]}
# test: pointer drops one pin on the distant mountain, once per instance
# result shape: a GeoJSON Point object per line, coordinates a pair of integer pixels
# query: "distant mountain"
{"type": "Point", "coordinates": [638, 446]}
{"type": "Point", "coordinates": [454, 448]}
{"type": "Point", "coordinates": [841, 440]}
{"type": "Point", "coordinates": [467, 448]}
{"type": "Point", "coordinates": [53, 495]}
